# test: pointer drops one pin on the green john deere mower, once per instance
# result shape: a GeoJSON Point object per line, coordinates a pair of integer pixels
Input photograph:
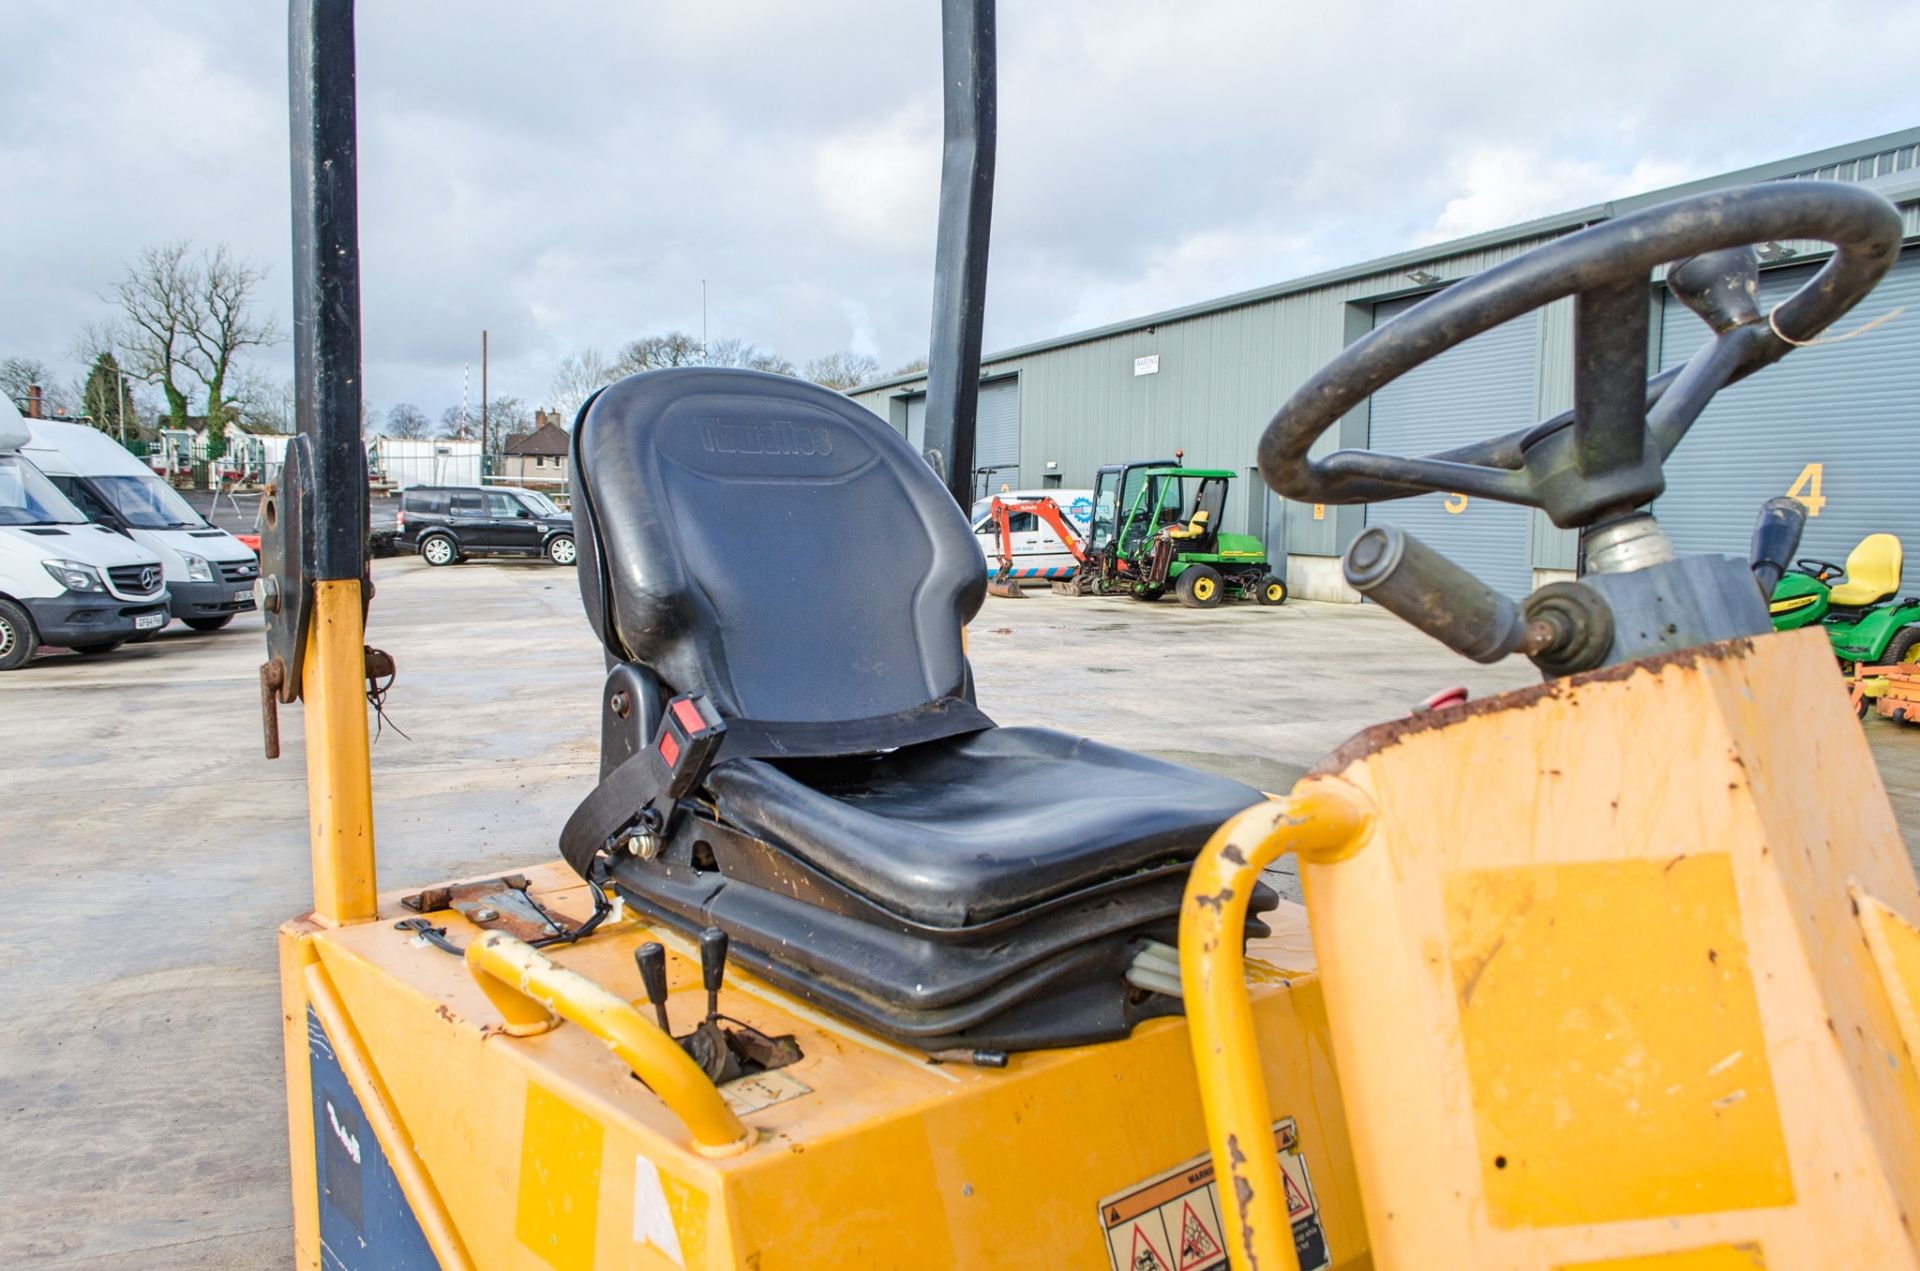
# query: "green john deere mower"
{"type": "Point", "coordinates": [1854, 604]}
{"type": "Point", "coordinates": [1156, 526]}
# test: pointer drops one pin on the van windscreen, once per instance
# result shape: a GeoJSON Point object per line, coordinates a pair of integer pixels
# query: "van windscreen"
{"type": "Point", "coordinates": [28, 498]}
{"type": "Point", "coordinates": [146, 503]}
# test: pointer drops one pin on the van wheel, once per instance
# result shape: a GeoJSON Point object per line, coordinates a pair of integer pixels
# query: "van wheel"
{"type": "Point", "coordinates": [1199, 587]}
{"type": "Point", "coordinates": [208, 624]}
{"type": "Point", "coordinates": [560, 549]}
{"type": "Point", "coordinates": [104, 646]}
{"type": "Point", "coordinates": [18, 640]}
{"type": "Point", "coordinates": [438, 549]}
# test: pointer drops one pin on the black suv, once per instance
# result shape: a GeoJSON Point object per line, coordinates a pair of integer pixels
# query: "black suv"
{"type": "Point", "coordinates": [448, 523]}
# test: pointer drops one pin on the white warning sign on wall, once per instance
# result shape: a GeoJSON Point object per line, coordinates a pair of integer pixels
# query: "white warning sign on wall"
{"type": "Point", "coordinates": [1173, 1221]}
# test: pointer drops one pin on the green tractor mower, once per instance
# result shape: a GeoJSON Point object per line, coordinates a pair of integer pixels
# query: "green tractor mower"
{"type": "Point", "coordinates": [1156, 525]}
{"type": "Point", "coordinates": [1855, 604]}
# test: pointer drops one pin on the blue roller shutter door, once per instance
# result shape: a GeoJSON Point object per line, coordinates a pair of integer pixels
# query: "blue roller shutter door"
{"type": "Point", "coordinates": [1852, 408]}
{"type": "Point", "coordinates": [917, 423]}
{"type": "Point", "coordinates": [1477, 390]}
{"type": "Point", "coordinates": [996, 444]}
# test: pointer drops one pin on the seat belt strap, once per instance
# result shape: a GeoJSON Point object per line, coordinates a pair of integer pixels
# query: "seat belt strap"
{"type": "Point", "coordinates": [639, 798]}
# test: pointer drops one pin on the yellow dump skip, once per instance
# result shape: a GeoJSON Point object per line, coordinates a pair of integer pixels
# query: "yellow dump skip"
{"type": "Point", "coordinates": [1613, 1078]}
{"type": "Point", "coordinates": [1738, 1257]}
{"type": "Point", "coordinates": [1604, 983]}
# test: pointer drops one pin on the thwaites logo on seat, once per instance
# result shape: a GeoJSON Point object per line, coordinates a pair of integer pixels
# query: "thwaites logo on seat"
{"type": "Point", "coordinates": [778, 437]}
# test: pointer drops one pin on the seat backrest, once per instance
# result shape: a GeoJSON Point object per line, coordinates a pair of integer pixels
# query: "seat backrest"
{"type": "Point", "coordinates": [1873, 571]}
{"type": "Point", "coordinates": [771, 544]}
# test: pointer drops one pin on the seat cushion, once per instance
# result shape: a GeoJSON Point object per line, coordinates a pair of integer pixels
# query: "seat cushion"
{"type": "Point", "coordinates": [1873, 572]}
{"type": "Point", "coordinates": [967, 829]}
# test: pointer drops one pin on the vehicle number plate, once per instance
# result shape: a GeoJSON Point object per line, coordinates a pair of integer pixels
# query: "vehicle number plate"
{"type": "Point", "coordinates": [149, 621]}
{"type": "Point", "coordinates": [244, 595]}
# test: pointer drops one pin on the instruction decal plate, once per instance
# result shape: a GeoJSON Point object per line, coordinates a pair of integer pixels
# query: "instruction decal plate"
{"type": "Point", "coordinates": [763, 1090]}
{"type": "Point", "coordinates": [1174, 1221]}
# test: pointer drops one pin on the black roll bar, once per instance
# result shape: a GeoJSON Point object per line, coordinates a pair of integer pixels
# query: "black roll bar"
{"type": "Point", "coordinates": [968, 59]}
{"type": "Point", "coordinates": [326, 264]}
{"type": "Point", "coordinates": [326, 283]}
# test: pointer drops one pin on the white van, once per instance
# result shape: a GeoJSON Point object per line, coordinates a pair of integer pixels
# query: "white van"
{"type": "Point", "coordinates": [1037, 549]}
{"type": "Point", "coordinates": [63, 580]}
{"type": "Point", "coordinates": [210, 573]}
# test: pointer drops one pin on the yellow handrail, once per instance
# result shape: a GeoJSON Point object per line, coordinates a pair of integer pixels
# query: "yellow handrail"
{"type": "Point", "coordinates": [534, 993]}
{"type": "Point", "coordinates": [1324, 820]}
{"type": "Point", "coordinates": [339, 780]}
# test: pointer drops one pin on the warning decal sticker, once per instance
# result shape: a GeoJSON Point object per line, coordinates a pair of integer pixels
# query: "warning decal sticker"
{"type": "Point", "coordinates": [1173, 1221]}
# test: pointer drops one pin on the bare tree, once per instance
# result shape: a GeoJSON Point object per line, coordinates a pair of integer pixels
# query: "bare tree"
{"type": "Point", "coordinates": [183, 316]}
{"type": "Point", "coordinates": [842, 371]}
{"type": "Point", "coordinates": [455, 423]}
{"type": "Point", "coordinates": [914, 367]}
{"type": "Point", "coordinates": [159, 305]}
{"type": "Point", "coordinates": [744, 353]}
{"type": "Point", "coordinates": [507, 418]}
{"type": "Point", "coordinates": [17, 374]}
{"type": "Point", "coordinates": [650, 353]}
{"type": "Point", "coordinates": [408, 421]}
{"type": "Point", "coordinates": [578, 377]}
{"type": "Point", "coordinates": [225, 327]}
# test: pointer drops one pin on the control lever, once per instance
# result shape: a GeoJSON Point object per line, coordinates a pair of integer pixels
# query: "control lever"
{"type": "Point", "coordinates": [1776, 537]}
{"type": "Point", "coordinates": [724, 1054]}
{"type": "Point", "coordinates": [1405, 576]}
{"type": "Point", "coordinates": [708, 1044]}
{"type": "Point", "coordinates": [1565, 627]}
{"type": "Point", "coordinates": [652, 960]}
{"type": "Point", "coordinates": [713, 967]}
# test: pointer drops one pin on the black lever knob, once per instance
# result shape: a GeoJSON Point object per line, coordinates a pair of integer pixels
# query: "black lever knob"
{"type": "Point", "coordinates": [713, 966]}
{"type": "Point", "coordinates": [1775, 539]}
{"type": "Point", "coordinates": [652, 959]}
{"type": "Point", "coordinates": [1722, 287]}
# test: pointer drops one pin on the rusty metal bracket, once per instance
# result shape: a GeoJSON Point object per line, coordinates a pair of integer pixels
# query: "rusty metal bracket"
{"type": "Point", "coordinates": [273, 680]}
{"type": "Point", "coordinates": [495, 904]}
{"type": "Point", "coordinates": [286, 593]}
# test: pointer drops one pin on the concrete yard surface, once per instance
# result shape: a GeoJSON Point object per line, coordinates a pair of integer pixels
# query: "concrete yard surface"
{"type": "Point", "coordinates": [153, 851]}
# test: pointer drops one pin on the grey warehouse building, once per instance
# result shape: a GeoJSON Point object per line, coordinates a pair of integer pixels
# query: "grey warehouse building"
{"type": "Point", "coordinates": [1836, 424]}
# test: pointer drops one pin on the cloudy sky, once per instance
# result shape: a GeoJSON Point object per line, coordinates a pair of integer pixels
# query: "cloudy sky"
{"type": "Point", "coordinates": [565, 174]}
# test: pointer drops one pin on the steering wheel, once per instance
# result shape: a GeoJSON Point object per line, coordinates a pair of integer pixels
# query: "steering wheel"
{"type": "Point", "coordinates": [1603, 457]}
{"type": "Point", "coordinates": [1818, 570]}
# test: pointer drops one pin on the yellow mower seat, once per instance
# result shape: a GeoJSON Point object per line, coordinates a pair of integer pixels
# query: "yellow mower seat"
{"type": "Point", "coordinates": [1873, 572]}
{"type": "Point", "coordinates": [1194, 528]}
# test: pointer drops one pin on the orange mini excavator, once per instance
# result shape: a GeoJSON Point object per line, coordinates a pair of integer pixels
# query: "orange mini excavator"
{"type": "Point", "coordinates": [1003, 582]}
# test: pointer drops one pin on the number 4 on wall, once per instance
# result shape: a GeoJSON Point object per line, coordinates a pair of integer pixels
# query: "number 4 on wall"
{"type": "Point", "coordinates": [1806, 488]}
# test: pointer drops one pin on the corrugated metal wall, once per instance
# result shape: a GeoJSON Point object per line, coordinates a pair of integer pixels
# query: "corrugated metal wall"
{"type": "Point", "coordinates": [1222, 373]}
{"type": "Point", "coordinates": [1846, 413]}
{"type": "Point", "coordinates": [1221, 376]}
{"type": "Point", "coordinates": [996, 457]}
{"type": "Point", "coordinates": [1481, 388]}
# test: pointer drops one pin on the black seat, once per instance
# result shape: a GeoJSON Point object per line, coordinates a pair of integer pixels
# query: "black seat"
{"type": "Point", "coordinates": [869, 838]}
{"type": "Point", "coordinates": [976, 827]}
